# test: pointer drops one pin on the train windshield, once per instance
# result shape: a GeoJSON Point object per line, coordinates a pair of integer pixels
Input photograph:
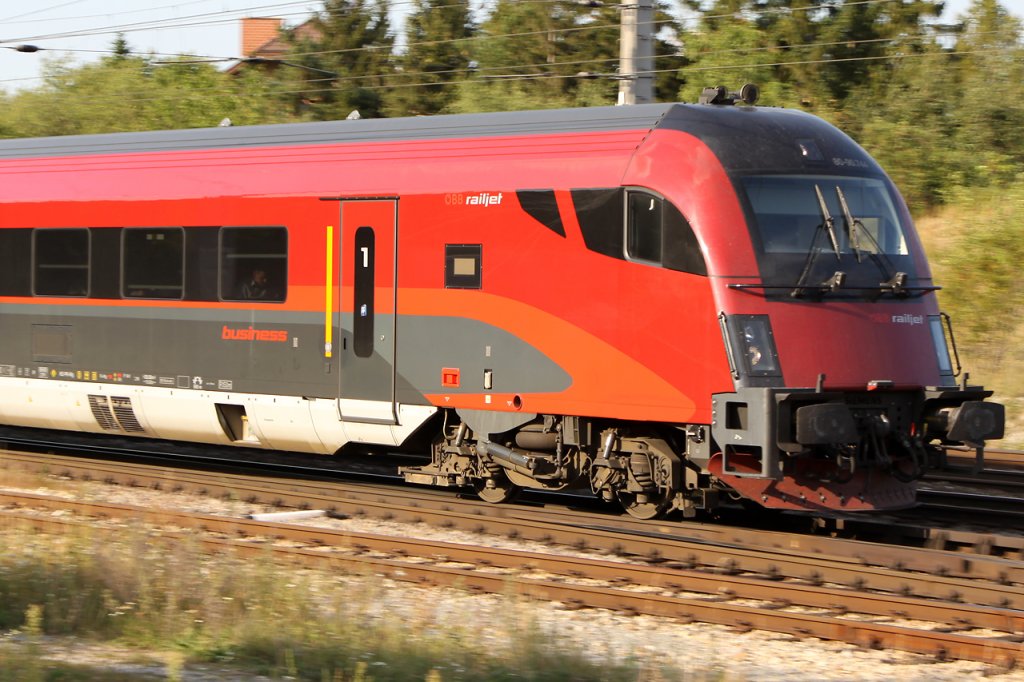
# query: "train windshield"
{"type": "Point", "coordinates": [809, 229]}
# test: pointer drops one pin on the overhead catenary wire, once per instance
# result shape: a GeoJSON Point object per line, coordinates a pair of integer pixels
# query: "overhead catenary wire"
{"type": "Point", "coordinates": [161, 25]}
{"type": "Point", "coordinates": [903, 38]}
{"type": "Point", "coordinates": [485, 36]}
{"type": "Point", "coordinates": [192, 93]}
{"type": "Point", "coordinates": [547, 65]}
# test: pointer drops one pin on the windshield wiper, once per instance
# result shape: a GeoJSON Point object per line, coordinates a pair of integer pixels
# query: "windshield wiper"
{"type": "Point", "coordinates": [828, 222]}
{"type": "Point", "coordinates": [853, 226]}
{"type": "Point", "coordinates": [895, 283]}
{"type": "Point", "coordinates": [827, 225]}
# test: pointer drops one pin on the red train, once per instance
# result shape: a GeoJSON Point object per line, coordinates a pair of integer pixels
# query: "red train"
{"type": "Point", "coordinates": [665, 303]}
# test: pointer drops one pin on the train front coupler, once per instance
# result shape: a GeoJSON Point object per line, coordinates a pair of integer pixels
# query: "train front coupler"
{"type": "Point", "coordinates": [836, 450]}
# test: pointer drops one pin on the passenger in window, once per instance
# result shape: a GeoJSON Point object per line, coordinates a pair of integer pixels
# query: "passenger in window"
{"type": "Point", "coordinates": [257, 286]}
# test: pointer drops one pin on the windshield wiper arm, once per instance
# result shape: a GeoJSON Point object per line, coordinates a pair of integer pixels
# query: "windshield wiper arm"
{"type": "Point", "coordinates": [827, 225]}
{"type": "Point", "coordinates": [828, 222]}
{"type": "Point", "coordinates": [878, 257]}
{"type": "Point", "coordinates": [853, 225]}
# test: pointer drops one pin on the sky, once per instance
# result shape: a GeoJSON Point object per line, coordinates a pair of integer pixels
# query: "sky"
{"type": "Point", "coordinates": [84, 29]}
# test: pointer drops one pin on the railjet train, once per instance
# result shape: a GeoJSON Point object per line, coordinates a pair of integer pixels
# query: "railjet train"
{"type": "Point", "coordinates": [672, 305]}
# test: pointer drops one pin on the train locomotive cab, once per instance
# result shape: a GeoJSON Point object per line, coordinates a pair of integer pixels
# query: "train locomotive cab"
{"type": "Point", "coordinates": [840, 358]}
{"type": "Point", "coordinates": [792, 305]}
{"type": "Point", "coordinates": [838, 261]}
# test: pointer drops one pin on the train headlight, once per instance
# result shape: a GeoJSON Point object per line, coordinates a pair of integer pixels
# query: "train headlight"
{"type": "Point", "coordinates": [751, 345]}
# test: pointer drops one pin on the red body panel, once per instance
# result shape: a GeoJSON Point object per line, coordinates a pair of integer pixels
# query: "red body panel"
{"type": "Point", "coordinates": [602, 320]}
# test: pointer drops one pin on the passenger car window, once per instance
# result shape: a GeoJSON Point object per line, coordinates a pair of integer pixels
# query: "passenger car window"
{"type": "Point", "coordinates": [154, 262]}
{"type": "Point", "coordinates": [16, 261]}
{"type": "Point", "coordinates": [253, 264]}
{"type": "Point", "coordinates": [60, 262]}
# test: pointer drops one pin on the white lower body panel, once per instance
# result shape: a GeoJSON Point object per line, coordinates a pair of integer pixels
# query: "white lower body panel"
{"type": "Point", "coordinates": [315, 425]}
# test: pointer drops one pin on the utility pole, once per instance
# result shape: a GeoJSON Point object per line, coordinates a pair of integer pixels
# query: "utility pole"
{"type": "Point", "coordinates": [636, 52]}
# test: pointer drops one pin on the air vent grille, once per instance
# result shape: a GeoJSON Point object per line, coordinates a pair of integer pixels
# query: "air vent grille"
{"type": "Point", "coordinates": [101, 411]}
{"type": "Point", "coordinates": [126, 415]}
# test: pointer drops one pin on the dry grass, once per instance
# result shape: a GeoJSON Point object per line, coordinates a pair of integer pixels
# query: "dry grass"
{"type": "Point", "coordinates": [976, 247]}
{"type": "Point", "coordinates": [267, 618]}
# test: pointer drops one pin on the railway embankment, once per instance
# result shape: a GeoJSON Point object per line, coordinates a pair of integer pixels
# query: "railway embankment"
{"type": "Point", "coordinates": [133, 564]}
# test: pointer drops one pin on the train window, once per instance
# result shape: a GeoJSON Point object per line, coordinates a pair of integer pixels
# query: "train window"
{"type": "Point", "coordinates": [599, 212]}
{"type": "Point", "coordinates": [463, 266]}
{"type": "Point", "coordinates": [643, 227]}
{"type": "Point", "coordinates": [60, 262]}
{"type": "Point", "coordinates": [680, 249]}
{"type": "Point", "coordinates": [253, 264]}
{"type": "Point", "coordinates": [153, 262]}
{"type": "Point", "coordinates": [105, 262]}
{"type": "Point", "coordinates": [657, 232]}
{"type": "Point", "coordinates": [202, 258]}
{"type": "Point", "coordinates": [16, 262]}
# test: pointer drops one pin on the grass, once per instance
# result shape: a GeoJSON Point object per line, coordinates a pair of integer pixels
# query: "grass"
{"type": "Point", "coordinates": [976, 247]}
{"type": "Point", "coordinates": [267, 619]}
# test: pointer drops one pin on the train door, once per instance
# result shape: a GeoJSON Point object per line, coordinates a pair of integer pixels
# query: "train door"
{"type": "Point", "coordinates": [367, 271]}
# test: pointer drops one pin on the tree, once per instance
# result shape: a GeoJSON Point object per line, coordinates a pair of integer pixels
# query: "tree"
{"type": "Point", "coordinates": [346, 54]}
{"type": "Point", "coordinates": [120, 47]}
{"type": "Point", "coordinates": [808, 52]}
{"type": "Point", "coordinates": [437, 54]}
{"type": "Point", "coordinates": [990, 118]}
{"type": "Point", "coordinates": [131, 94]}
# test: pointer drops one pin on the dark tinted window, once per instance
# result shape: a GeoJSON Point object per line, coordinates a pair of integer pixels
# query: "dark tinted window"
{"type": "Point", "coordinates": [16, 262]}
{"type": "Point", "coordinates": [202, 263]}
{"type": "Point", "coordinates": [253, 263]}
{"type": "Point", "coordinates": [643, 227]}
{"type": "Point", "coordinates": [542, 205]}
{"type": "Point", "coordinates": [105, 278]}
{"type": "Point", "coordinates": [599, 212]}
{"type": "Point", "coordinates": [680, 249]}
{"type": "Point", "coordinates": [154, 264]}
{"type": "Point", "coordinates": [657, 232]}
{"type": "Point", "coordinates": [61, 262]}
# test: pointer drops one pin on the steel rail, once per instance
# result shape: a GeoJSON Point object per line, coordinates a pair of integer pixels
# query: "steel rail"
{"type": "Point", "coordinates": [816, 570]}
{"type": "Point", "coordinates": [990, 456]}
{"type": "Point", "coordinates": [826, 559]}
{"type": "Point", "coordinates": [1002, 651]}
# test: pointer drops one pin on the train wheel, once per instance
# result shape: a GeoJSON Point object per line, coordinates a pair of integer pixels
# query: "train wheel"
{"type": "Point", "coordinates": [645, 506]}
{"type": "Point", "coordinates": [496, 489]}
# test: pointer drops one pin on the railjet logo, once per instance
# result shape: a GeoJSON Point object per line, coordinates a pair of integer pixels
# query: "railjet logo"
{"type": "Point", "coordinates": [484, 199]}
{"type": "Point", "coordinates": [250, 334]}
{"type": "Point", "coordinates": [908, 319]}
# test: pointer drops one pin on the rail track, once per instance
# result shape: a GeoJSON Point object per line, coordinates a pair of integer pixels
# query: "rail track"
{"type": "Point", "coordinates": [993, 457]}
{"type": "Point", "coordinates": [971, 606]}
